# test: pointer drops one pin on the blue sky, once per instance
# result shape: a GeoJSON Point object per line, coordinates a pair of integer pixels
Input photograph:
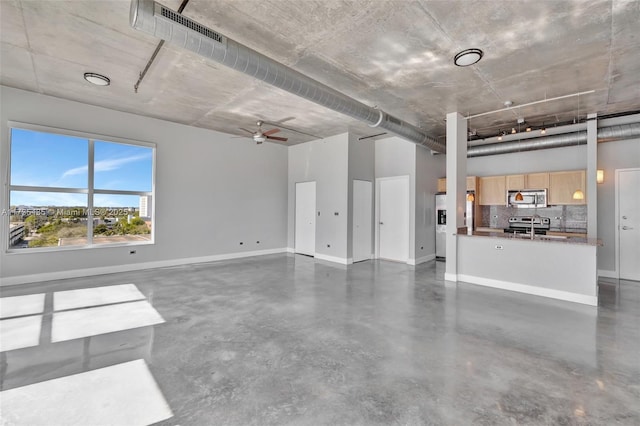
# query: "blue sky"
{"type": "Point", "coordinates": [50, 160]}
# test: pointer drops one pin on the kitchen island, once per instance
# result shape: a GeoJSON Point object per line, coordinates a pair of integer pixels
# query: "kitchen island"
{"type": "Point", "coordinates": [562, 268]}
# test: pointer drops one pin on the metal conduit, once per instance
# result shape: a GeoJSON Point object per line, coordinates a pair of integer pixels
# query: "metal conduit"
{"type": "Point", "coordinates": [605, 134]}
{"type": "Point", "coordinates": [162, 22]}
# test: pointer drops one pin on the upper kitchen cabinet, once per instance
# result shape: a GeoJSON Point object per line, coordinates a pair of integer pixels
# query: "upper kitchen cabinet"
{"type": "Point", "coordinates": [530, 181]}
{"type": "Point", "coordinates": [471, 184]}
{"type": "Point", "coordinates": [537, 181]}
{"type": "Point", "coordinates": [493, 191]}
{"type": "Point", "coordinates": [562, 185]}
{"type": "Point", "coordinates": [515, 182]}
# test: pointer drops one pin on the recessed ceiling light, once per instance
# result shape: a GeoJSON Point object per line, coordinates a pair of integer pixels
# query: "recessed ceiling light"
{"type": "Point", "coordinates": [97, 79]}
{"type": "Point", "coordinates": [468, 57]}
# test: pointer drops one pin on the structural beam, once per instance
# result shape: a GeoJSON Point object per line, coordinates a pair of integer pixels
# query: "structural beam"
{"type": "Point", "coordinates": [456, 189]}
{"type": "Point", "coordinates": [592, 185]}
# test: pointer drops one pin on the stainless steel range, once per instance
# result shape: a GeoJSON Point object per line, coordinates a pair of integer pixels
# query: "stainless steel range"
{"type": "Point", "coordinates": [523, 224]}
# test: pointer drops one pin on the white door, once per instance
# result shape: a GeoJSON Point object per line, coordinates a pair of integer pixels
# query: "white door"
{"type": "Point", "coordinates": [305, 232]}
{"type": "Point", "coordinates": [362, 193]}
{"type": "Point", "coordinates": [628, 197]}
{"type": "Point", "coordinates": [393, 218]}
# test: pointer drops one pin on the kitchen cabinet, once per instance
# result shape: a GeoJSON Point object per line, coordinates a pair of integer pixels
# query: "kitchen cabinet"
{"type": "Point", "coordinates": [471, 184]}
{"type": "Point", "coordinates": [515, 182]}
{"type": "Point", "coordinates": [493, 191]}
{"type": "Point", "coordinates": [529, 181]}
{"type": "Point", "coordinates": [537, 181]}
{"type": "Point", "coordinates": [562, 185]}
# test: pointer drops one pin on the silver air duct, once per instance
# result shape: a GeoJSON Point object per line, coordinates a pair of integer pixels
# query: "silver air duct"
{"type": "Point", "coordinates": [162, 22]}
{"type": "Point", "coordinates": [605, 134]}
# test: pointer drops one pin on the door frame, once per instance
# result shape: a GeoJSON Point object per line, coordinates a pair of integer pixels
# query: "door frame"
{"type": "Point", "coordinates": [295, 210]}
{"type": "Point", "coordinates": [377, 213]}
{"type": "Point", "coordinates": [617, 213]}
{"type": "Point", "coordinates": [370, 254]}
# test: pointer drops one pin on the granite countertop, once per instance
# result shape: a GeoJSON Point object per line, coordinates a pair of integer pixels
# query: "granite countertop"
{"type": "Point", "coordinates": [570, 230]}
{"type": "Point", "coordinates": [539, 238]}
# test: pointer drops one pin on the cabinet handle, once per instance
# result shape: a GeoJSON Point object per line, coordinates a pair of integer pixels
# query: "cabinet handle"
{"type": "Point", "coordinates": [626, 227]}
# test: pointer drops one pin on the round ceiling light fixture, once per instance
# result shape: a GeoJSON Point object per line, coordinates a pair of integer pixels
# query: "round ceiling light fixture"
{"type": "Point", "coordinates": [97, 79]}
{"type": "Point", "coordinates": [468, 57]}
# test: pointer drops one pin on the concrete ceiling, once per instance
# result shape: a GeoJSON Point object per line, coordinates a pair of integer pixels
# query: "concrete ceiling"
{"type": "Point", "coordinates": [397, 55]}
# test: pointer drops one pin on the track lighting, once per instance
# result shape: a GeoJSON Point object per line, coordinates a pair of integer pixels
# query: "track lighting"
{"type": "Point", "coordinates": [513, 131]}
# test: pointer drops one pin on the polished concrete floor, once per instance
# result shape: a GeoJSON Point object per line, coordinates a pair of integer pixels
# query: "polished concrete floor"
{"type": "Point", "coordinates": [285, 339]}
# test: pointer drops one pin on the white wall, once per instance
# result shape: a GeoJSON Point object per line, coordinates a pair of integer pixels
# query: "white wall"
{"type": "Point", "coordinates": [428, 169]}
{"type": "Point", "coordinates": [397, 157]}
{"type": "Point", "coordinates": [324, 161]}
{"type": "Point", "coordinates": [611, 156]}
{"type": "Point", "coordinates": [212, 191]}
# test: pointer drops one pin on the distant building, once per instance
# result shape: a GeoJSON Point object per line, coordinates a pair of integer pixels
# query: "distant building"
{"type": "Point", "coordinates": [16, 233]}
{"type": "Point", "coordinates": [145, 206]}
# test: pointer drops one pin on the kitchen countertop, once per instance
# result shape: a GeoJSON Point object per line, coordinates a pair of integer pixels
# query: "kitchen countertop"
{"type": "Point", "coordinates": [539, 238]}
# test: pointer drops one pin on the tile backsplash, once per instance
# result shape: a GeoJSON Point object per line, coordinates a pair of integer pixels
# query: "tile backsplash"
{"type": "Point", "coordinates": [562, 217]}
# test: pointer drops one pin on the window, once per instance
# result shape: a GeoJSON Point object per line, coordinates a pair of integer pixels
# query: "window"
{"type": "Point", "coordinates": [75, 190]}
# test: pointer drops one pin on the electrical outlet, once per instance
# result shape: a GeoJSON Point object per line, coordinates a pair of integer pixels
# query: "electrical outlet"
{"type": "Point", "coordinates": [499, 247]}
{"type": "Point", "coordinates": [328, 245]}
{"type": "Point", "coordinates": [257, 242]}
{"type": "Point", "coordinates": [132, 252]}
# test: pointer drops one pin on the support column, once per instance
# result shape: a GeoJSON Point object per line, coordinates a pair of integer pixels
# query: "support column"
{"type": "Point", "coordinates": [592, 185]}
{"type": "Point", "coordinates": [456, 189]}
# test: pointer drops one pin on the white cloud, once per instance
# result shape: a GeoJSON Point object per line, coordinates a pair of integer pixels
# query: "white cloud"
{"type": "Point", "coordinates": [106, 165]}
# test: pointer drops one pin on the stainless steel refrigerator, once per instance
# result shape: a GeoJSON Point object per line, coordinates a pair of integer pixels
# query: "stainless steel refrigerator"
{"type": "Point", "coordinates": [441, 222]}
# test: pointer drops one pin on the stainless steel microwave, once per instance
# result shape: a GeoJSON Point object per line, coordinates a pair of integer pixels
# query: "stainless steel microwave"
{"type": "Point", "coordinates": [528, 198]}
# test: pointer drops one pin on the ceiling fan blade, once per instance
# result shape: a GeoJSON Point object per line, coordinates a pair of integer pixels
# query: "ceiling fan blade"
{"type": "Point", "coordinates": [248, 131]}
{"type": "Point", "coordinates": [270, 132]}
{"type": "Point", "coordinates": [276, 138]}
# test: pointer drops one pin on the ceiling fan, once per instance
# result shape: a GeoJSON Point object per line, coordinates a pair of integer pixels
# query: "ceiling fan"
{"type": "Point", "coordinates": [260, 136]}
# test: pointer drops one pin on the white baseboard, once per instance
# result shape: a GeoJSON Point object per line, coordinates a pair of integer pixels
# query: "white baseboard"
{"type": "Point", "coordinates": [290, 250]}
{"type": "Point", "coordinates": [422, 259]}
{"type": "Point", "coordinates": [450, 277]}
{"type": "Point", "coordinates": [605, 273]}
{"type": "Point", "coordinates": [528, 289]}
{"type": "Point", "coordinates": [341, 260]}
{"type": "Point", "coordinates": [77, 273]}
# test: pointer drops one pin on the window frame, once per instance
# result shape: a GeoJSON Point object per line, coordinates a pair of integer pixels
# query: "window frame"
{"type": "Point", "coordinates": [90, 191]}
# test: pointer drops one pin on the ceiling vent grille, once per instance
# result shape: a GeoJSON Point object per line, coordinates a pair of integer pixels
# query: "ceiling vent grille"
{"type": "Point", "coordinates": [180, 19]}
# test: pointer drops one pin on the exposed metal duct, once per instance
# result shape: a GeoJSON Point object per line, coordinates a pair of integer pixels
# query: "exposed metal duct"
{"type": "Point", "coordinates": [162, 22]}
{"type": "Point", "coordinates": [605, 134]}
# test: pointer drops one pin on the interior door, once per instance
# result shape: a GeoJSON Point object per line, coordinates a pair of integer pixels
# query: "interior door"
{"type": "Point", "coordinates": [393, 218]}
{"type": "Point", "coordinates": [362, 220]}
{"type": "Point", "coordinates": [629, 223]}
{"type": "Point", "coordinates": [305, 226]}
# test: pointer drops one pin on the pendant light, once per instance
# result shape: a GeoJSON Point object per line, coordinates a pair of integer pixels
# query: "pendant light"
{"type": "Point", "coordinates": [578, 195]}
{"type": "Point", "coordinates": [519, 196]}
{"type": "Point", "coordinates": [471, 197]}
